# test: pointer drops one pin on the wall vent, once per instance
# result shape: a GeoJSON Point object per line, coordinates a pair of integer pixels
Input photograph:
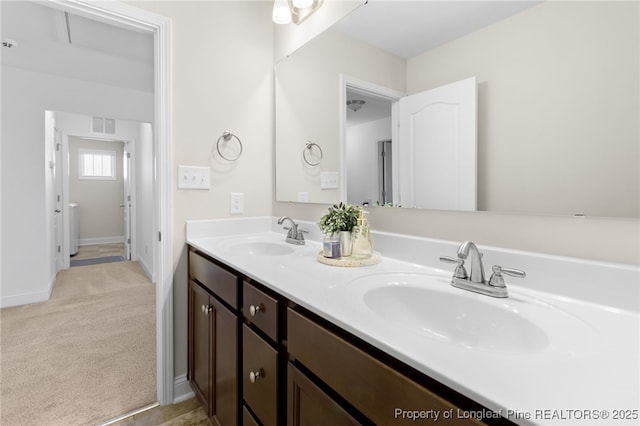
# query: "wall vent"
{"type": "Point", "coordinates": [103, 125]}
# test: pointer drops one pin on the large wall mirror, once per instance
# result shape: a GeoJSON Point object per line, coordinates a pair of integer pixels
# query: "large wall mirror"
{"type": "Point", "coordinates": [557, 97]}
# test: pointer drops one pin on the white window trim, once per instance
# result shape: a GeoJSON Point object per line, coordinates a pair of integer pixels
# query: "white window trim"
{"type": "Point", "coordinates": [82, 152]}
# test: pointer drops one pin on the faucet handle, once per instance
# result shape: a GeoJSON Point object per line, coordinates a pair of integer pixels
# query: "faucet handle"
{"type": "Point", "coordinates": [497, 280]}
{"type": "Point", "coordinates": [460, 271]}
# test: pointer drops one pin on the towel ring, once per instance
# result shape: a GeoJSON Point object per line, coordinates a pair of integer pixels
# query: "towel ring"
{"type": "Point", "coordinates": [226, 136]}
{"type": "Point", "coordinates": [308, 147]}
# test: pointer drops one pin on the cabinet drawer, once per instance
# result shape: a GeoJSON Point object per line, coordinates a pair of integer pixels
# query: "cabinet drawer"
{"type": "Point", "coordinates": [261, 310]}
{"type": "Point", "coordinates": [259, 376]}
{"type": "Point", "coordinates": [372, 387]}
{"type": "Point", "coordinates": [218, 280]}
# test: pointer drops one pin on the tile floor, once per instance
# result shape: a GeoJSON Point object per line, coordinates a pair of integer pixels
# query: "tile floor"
{"type": "Point", "coordinates": [187, 413]}
{"type": "Point", "coordinates": [99, 250]}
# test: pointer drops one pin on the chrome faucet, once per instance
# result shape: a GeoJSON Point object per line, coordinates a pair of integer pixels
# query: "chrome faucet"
{"type": "Point", "coordinates": [294, 236]}
{"type": "Point", "coordinates": [474, 280]}
{"type": "Point", "coordinates": [469, 251]}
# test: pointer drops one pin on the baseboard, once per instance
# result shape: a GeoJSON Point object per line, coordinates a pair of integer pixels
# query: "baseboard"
{"type": "Point", "coordinates": [100, 240]}
{"type": "Point", "coordinates": [146, 269]}
{"type": "Point", "coordinates": [25, 299]}
{"type": "Point", "coordinates": [181, 389]}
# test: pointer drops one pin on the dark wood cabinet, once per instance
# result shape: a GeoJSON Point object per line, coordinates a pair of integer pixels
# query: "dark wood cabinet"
{"type": "Point", "coordinates": [200, 343]}
{"type": "Point", "coordinates": [260, 376]}
{"type": "Point", "coordinates": [213, 350]}
{"type": "Point", "coordinates": [310, 406]}
{"type": "Point", "coordinates": [247, 418]}
{"type": "Point", "coordinates": [372, 387]}
{"type": "Point", "coordinates": [262, 353]}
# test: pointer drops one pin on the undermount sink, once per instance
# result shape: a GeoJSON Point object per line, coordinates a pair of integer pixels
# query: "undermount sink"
{"type": "Point", "coordinates": [450, 317]}
{"type": "Point", "coordinates": [260, 248]}
{"type": "Point", "coordinates": [429, 306]}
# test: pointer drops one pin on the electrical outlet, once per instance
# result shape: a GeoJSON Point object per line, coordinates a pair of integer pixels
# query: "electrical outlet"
{"type": "Point", "coordinates": [303, 197]}
{"type": "Point", "coordinates": [329, 180]}
{"type": "Point", "coordinates": [192, 177]}
{"type": "Point", "coordinates": [237, 203]}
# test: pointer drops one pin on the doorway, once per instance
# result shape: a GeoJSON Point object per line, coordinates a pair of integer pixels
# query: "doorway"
{"type": "Point", "coordinates": [99, 186]}
{"type": "Point", "coordinates": [368, 136]}
{"type": "Point", "coordinates": [160, 218]}
{"type": "Point", "coordinates": [106, 190]}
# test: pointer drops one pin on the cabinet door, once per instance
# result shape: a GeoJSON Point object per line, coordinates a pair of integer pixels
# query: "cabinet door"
{"type": "Point", "coordinates": [200, 344]}
{"type": "Point", "coordinates": [308, 405]}
{"type": "Point", "coordinates": [224, 364]}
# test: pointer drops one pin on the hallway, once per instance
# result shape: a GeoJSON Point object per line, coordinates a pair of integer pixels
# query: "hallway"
{"type": "Point", "coordinates": [98, 253]}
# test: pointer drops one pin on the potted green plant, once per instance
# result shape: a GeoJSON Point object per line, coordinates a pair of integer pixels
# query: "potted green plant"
{"type": "Point", "coordinates": [340, 220]}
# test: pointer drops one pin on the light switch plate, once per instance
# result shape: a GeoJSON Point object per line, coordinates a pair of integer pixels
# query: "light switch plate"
{"type": "Point", "coordinates": [193, 177]}
{"type": "Point", "coordinates": [303, 197]}
{"type": "Point", "coordinates": [329, 180]}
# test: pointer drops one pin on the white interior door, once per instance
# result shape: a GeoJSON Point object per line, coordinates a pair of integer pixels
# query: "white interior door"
{"type": "Point", "coordinates": [438, 147]}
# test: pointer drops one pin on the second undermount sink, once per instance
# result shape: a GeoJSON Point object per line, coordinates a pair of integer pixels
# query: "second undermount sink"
{"type": "Point", "coordinates": [429, 306]}
{"type": "Point", "coordinates": [260, 248]}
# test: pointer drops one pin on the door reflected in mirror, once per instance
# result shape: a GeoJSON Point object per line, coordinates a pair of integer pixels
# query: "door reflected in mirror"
{"type": "Point", "coordinates": [431, 164]}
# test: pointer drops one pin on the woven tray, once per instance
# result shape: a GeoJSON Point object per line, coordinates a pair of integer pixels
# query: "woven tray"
{"type": "Point", "coordinates": [348, 262]}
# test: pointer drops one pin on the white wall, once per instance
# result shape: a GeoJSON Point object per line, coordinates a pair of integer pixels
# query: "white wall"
{"type": "Point", "coordinates": [28, 273]}
{"type": "Point", "coordinates": [145, 234]}
{"type": "Point", "coordinates": [222, 79]}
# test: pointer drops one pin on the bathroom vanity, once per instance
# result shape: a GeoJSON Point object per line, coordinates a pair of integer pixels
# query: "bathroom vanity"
{"type": "Point", "coordinates": [275, 337]}
{"type": "Point", "coordinates": [249, 347]}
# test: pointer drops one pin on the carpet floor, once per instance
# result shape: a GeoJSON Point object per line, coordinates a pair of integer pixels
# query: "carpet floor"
{"type": "Point", "coordinates": [86, 355]}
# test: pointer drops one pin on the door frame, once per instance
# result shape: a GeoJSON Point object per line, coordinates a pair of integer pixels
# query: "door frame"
{"type": "Point", "coordinates": [60, 246]}
{"type": "Point", "coordinates": [127, 16]}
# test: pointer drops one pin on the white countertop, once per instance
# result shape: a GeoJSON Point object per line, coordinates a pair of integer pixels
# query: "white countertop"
{"type": "Point", "coordinates": [588, 376]}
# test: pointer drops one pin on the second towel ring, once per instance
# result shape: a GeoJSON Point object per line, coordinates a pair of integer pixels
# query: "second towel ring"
{"type": "Point", "coordinates": [226, 136]}
{"type": "Point", "coordinates": [308, 147]}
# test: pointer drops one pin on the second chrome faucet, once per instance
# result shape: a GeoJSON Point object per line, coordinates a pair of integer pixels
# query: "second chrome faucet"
{"type": "Point", "coordinates": [473, 279]}
{"type": "Point", "coordinates": [295, 235]}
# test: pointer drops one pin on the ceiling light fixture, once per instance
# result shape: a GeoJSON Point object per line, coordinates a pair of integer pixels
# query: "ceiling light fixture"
{"type": "Point", "coordinates": [355, 104]}
{"type": "Point", "coordinates": [281, 12]}
{"type": "Point", "coordinates": [302, 4]}
{"type": "Point", "coordinates": [296, 11]}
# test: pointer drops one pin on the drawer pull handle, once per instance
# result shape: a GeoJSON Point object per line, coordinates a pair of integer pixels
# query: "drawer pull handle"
{"type": "Point", "coordinates": [206, 309]}
{"type": "Point", "coordinates": [255, 375]}
{"type": "Point", "coordinates": [253, 310]}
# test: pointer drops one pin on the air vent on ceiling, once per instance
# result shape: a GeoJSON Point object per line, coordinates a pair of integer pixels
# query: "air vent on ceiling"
{"type": "Point", "coordinates": [103, 125]}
